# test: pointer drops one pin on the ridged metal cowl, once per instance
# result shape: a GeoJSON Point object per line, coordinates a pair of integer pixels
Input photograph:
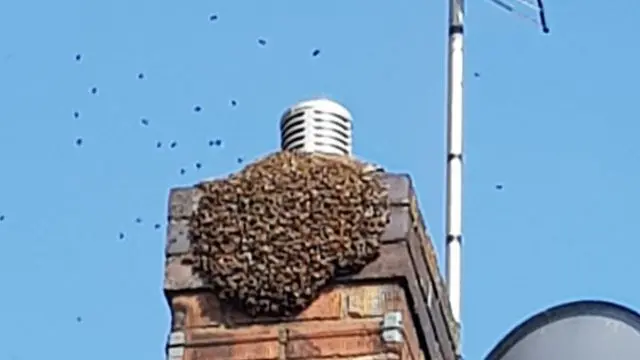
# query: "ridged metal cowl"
{"type": "Point", "coordinates": [318, 126]}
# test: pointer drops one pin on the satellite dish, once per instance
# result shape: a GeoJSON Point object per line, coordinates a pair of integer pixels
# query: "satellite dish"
{"type": "Point", "coordinates": [581, 330]}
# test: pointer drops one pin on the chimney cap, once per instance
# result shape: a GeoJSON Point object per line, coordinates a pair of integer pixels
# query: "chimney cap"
{"type": "Point", "coordinates": [317, 126]}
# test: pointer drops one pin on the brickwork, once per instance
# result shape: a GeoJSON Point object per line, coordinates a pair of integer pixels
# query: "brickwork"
{"type": "Point", "coordinates": [347, 321]}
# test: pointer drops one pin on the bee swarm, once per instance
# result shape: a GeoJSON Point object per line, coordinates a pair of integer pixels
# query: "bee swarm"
{"type": "Point", "coordinates": [271, 236]}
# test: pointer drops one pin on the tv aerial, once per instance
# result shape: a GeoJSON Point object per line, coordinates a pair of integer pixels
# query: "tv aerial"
{"type": "Point", "coordinates": [531, 10]}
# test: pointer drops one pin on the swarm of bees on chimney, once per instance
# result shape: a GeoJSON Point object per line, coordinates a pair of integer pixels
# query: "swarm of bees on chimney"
{"type": "Point", "coordinates": [271, 236]}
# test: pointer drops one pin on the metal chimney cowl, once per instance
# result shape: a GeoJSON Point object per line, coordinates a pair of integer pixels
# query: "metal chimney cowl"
{"type": "Point", "coordinates": [318, 126]}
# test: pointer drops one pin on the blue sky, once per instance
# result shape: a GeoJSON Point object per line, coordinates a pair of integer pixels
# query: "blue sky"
{"type": "Point", "coordinates": [551, 118]}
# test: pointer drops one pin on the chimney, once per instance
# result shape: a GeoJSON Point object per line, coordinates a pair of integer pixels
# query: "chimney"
{"type": "Point", "coordinates": [394, 308]}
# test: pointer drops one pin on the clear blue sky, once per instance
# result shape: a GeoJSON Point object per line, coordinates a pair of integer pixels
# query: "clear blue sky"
{"type": "Point", "coordinates": [551, 117]}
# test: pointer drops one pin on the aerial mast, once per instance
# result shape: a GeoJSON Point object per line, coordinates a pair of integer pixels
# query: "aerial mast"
{"type": "Point", "coordinates": [455, 86]}
{"type": "Point", "coordinates": [453, 214]}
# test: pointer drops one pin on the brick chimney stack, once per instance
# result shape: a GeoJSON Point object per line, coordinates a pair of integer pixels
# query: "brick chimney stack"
{"type": "Point", "coordinates": [395, 308]}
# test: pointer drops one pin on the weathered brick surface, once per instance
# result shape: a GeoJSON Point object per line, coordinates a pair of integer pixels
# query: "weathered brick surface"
{"type": "Point", "coordinates": [344, 322]}
{"type": "Point", "coordinates": [256, 336]}
{"type": "Point", "coordinates": [439, 301]}
{"type": "Point", "coordinates": [251, 343]}
{"type": "Point", "coordinates": [183, 200]}
{"type": "Point", "coordinates": [228, 353]}
{"type": "Point", "coordinates": [180, 276]}
{"type": "Point", "coordinates": [375, 300]}
{"type": "Point", "coordinates": [399, 225]}
{"type": "Point", "coordinates": [400, 188]}
{"type": "Point", "coordinates": [293, 341]}
{"type": "Point", "coordinates": [386, 356]}
{"type": "Point", "coordinates": [202, 309]}
{"type": "Point", "coordinates": [335, 339]}
{"type": "Point", "coordinates": [177, 237]}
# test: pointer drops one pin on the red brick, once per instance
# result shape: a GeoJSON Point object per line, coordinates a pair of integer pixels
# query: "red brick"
{"type": "Point", "coordinates": [334, 339]}
{"type": "Point", "coordinates": [372, 300]}
{"type": "Point", "coordinates": [234, 352]}
{"type": "Point", "coordinates": [369, 301]}
{"type": "Point", "coordinates": [247, 343]}
{"type": "Point", "coordinates": [384, 356]}
{"type": "Point", "coordinates": [406, 352]}
{"type": "Point", "coordinates": [202, 309]}
{"type": "Point", "coordinates": [228, 336]}
{"type": "Point", "coordinates": [328, 306]}
{"type": "Point", "coordinates": [410, 334]}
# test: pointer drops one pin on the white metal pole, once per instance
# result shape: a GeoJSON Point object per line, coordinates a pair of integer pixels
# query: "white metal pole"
{"type": "Point", "coordinates": [454, 156]}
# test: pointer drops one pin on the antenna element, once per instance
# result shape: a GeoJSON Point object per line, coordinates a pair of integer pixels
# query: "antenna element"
{"type": "Point", "coordinates": [530, 10]}
{"type": "Point", "coordinates": [454, 156]}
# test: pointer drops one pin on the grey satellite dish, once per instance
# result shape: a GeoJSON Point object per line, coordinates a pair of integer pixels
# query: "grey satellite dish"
{"type": "Point", "coordinates": [582, 330]}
